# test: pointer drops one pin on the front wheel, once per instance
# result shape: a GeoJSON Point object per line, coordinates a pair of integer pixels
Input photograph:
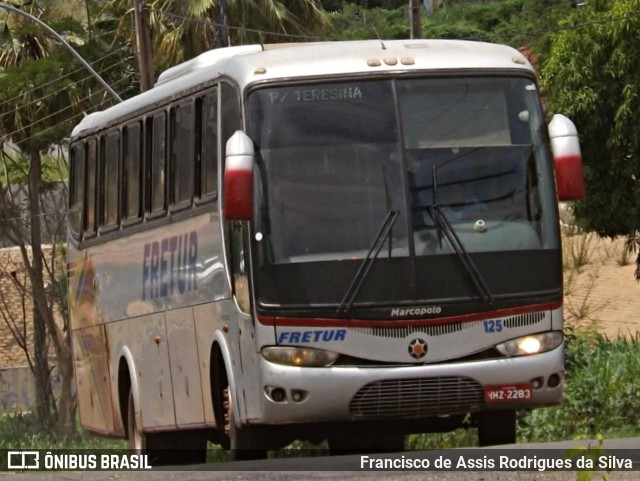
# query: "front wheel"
{"type": "Point", "coordinates": [497, 427]}
{"type": "Point", "coordinates": [186, 447]}
{"type": "Point", "coordinates": [245, 442]}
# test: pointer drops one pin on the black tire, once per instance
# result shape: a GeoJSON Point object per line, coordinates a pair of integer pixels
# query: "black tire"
{"type": "Point", "coordinates": [497, 427]}
{"type": "Point", "coordinates": [244, 443]}
{"type": "Point", "coordinates": [165, 448]}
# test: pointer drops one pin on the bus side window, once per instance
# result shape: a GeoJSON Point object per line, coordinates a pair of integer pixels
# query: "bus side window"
{"type": "Point", "coordinates": [231, 120]}
{"type": "Point", "coordinates": [109, 179]}
{"type": "Point", "coordinates": [156, 163]}
{"type": "Point", "coordinates": [239, 265]}
{"type": "Point", "coordinates": [89, 217]}
{"type": "Point", "coordinates": [181, 135]}
{"type": "Point", "coordinates": [231, 116]}
{"type": "Point", "coordinates": [207, 183]}
{"type": "Point", "coordinates": [76, 192]}
{"type": "Point", "coordinates": [131, 172]}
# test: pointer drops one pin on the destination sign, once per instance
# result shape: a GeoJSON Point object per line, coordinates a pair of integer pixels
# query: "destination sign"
{"type": "Point", "coordinates": [316, 94]}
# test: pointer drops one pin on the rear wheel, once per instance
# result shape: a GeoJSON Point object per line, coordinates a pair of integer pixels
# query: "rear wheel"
{"type": "Point", "coordinates": [497, 427]}
{"type": "Point", "coordinates": [244, 443]}
{"type": "Point", "coordinates": [165, 448]}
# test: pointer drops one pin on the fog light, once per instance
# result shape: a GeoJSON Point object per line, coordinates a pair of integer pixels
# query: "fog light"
{"type": "Point", "coordinates": [537, 383]}
{"type": "Point", "coordinates": [298, 395]}
{"type": "Point", "coordinates": [554, 380]}
{"type": "Point", "coordinates": [278, 395]}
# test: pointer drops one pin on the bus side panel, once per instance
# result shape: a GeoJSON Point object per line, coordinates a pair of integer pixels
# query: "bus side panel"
{"type": "Point", "coordinates": [251, 383]}
{"type": "Point", "coordinates": [207, 321]}
{"type": "Point", "coordinates": [185, 375]}
{"type": "Point", "coordinates": [146, 339]}
{"type": "Point", "coordinates": [92, 380]}
{"type": "Point", "coordinates": [212, 320]}
{"type": "Point", "coordinates": [90, 360]}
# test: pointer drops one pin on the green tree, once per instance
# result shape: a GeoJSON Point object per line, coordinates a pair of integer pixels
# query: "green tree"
{"type": "Point", "coordinates": [593, 76]}
{"type": "Point", "coordinates": [357, 23]}
{"type": "Point", "coordinates": [183, 29]}
{"type": "Point", "coordinates": [43, 91]}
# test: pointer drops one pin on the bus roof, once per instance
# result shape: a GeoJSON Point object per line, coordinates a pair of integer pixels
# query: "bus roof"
{"type": "Point", "coordinates": [248, 64]}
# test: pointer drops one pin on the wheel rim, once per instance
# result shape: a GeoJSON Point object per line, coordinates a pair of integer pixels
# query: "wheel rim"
{"type": "Point", "coordinates": [136, 440]}
{"type": "Point", "coordinates": [228, 411]}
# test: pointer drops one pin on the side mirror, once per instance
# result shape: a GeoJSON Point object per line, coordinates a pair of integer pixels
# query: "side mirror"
{"type": "Point", "coordinates": [567, 157]}
{"type": "Point", "coordinates": [238, 178]}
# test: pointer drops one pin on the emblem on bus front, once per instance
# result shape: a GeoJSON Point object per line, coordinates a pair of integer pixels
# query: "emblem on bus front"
{"type": "Point", "coordinates": [417, 348]}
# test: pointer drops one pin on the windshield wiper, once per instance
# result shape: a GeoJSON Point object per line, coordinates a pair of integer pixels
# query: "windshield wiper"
{"type": "Point", "coordinates": [444, 226]}
{"type": "Point", "coordinates": [367, 262]}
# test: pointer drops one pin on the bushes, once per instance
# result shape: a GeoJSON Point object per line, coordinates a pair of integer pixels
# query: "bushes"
{"type": "Point", "coordinates": [601, 397]}
{"type": "Point", "coordinates": [602, 393]}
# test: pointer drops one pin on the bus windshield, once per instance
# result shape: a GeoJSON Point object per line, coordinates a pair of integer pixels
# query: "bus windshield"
{"type": "Point", "coordinates": [461, 162]}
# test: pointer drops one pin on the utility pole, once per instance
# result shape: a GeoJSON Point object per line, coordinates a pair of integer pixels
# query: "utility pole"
{"type": "Point", "coordinates": [143, 36]}
{"type": "Point", "coordinates": [222, 36]}
{"type": "Point", "coordinates": [414, 8]}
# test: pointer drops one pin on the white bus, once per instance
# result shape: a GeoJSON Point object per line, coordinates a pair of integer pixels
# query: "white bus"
{"type": "Point", "coordinates": [349, 241]}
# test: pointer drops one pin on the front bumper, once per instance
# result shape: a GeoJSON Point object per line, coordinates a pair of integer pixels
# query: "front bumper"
{"type": "Point", "coordinates": [336, 394]}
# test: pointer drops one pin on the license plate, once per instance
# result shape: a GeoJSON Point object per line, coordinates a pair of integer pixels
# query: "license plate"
{"type": "Point", "coordinates": [510, 393]}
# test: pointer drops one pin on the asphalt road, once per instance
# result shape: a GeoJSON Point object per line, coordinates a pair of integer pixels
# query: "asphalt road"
{"type": "Point", "coordinates": [349, 468]}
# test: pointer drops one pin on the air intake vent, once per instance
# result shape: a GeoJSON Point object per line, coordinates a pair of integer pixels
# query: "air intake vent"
{"type": "Point", "coordinates": [402, 332]}
{"type": "Point", "coordinates": [443, 329]}
{"type": "Point", "coordinates": [417, 397]}
{"type": "Point", "coordinates": [524, 319]}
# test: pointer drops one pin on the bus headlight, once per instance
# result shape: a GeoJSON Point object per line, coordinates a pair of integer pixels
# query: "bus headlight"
{"type": "Point", "coordinates": [299, 356]}
{"type": "Point", "coordinates": [532, 344]}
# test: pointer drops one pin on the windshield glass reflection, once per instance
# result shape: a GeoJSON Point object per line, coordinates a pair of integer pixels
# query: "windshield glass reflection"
{"type": "Point", "coordinates": [334, 159]}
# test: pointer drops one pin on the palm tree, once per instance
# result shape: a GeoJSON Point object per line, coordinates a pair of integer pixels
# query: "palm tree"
{"type": "Point", "coordinates": [184, 29]}
{"type": "Point", "coordinates": [43, 90]}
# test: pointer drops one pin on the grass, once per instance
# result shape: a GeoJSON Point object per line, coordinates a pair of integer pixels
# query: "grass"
{"type": "Point", "coordinates": [22, 431]}
{"type": "Point", "coordinates": [577, 249]}
{"type": "Point", "coordinates": [602, 397]}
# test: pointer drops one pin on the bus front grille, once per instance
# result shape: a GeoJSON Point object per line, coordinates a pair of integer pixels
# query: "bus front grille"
{"type": "Point", "coordinates": [417, 397]}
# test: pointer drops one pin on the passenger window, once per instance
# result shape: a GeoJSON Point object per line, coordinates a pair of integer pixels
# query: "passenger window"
{"type": "Point", "coordinates": [182, 153]}
{"type": "Point", "coordinates": [157, 167]}
{"type": "Point", "coordinates": [89, 218]}
{"type": "Point", "coordinates": [109, 182]}
{"type": "Point", "coordinates": [209, 144]}
{"type": "Point", "coordinates": [230, 114]}
{"type": "Point", "coordinates": [132, 172]}
{"type": "Point", "coordinates": [76, 193]}
{"type": "Point", "coordinates": [239, 266]}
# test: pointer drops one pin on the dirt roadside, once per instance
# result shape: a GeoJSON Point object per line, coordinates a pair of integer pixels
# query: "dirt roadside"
{"type": "Point", "coordinates": [600, 287]}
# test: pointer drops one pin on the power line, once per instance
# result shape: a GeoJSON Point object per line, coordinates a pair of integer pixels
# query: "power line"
{"type": "Point", "coordinates": [69, 48]}
{"type": "Point", "coordinates": [22, 92]}
{"type": "Point", "coordinates": [50, 94]}
{"type": "Point", "coordinates": [231, 27]}
{"type": "Point", "coordinates": [573, 26]}
{"type": "Point", "coordinates": [10, 134]}
{"type": "Point", "coordinates": [192, 19]}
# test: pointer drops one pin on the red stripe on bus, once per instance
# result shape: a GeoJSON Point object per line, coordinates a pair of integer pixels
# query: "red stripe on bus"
{"type": "Point", "coordinates": [329, 322]}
